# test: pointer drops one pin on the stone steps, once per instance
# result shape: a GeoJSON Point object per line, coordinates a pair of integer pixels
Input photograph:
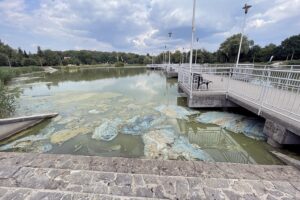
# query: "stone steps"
{"type": "Point", "coordinates": [118, 178]}
{"type": "Point", "coordinates": [22, 193]}
{"type": "Point", "coordinates": [154, 167]}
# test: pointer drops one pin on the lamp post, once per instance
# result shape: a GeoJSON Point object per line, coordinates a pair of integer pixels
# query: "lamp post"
{"type": "Point", "coordinates": [191, 52]}
{"type": "Point", "coordinates": [170, 35]}
{"type": "Point", "coordinates": [246, 8]}
{"type": "Point", "coordinates": [152, 60]}
{"type": "Point", "coordinates": [196, 51]}
{"type": "Point", "coordinates": [165, 54]}
{"type": "Point", "coordinates": [8, 60]}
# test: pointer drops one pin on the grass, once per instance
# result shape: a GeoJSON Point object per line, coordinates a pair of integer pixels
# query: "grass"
{"type": "Point", "coordinates": [7, 73]}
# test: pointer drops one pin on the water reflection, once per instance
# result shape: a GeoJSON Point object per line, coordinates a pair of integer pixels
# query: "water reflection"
{"type": "Point", "coordinates": [86, 98]}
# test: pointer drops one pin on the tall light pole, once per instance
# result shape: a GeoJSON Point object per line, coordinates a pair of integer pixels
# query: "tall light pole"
{"type": "Point", "coordinates": [165, 54]}
{"type": "Point", "coordinates": [196, 51]}
{"type": "Point", "coordinates": [246, 8]}
{"type": "Point", "coordinates": [152, 60]}
{"type": "Point", "coordinates": [170, 35]}
{"type": "Point", "coordinates": [182, 56]}
{"type": "Point", "coordinates": [8, 60]}
{"type": "Point", "coordinates": [192, 44]}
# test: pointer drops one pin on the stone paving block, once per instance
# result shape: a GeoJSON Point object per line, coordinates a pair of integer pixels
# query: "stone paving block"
{"type": "Point", "coordinates": [250, 197]}
{"type": "Point", "coordinates": [213, 194]}
{"type": "Point", "coordinates": [3, 191]}
{"type": "Point", "coordinates": [123, 180]}
{"type": "Point", "coordinates": [8, 171]}
{"type": "Point", "coordinates": [216, 183]}
{"type": "Point", "coordinates": [159, 192]}
{"type": "Point", "coordinates": [106, 178]}
{"type": "Point", "coordinates": [144, 192]}
{"type": "Point", "coordinates": [232, 195]}
{"type": "Point", "coordinates": [182, 188]}
{"type": "Point", "coordinates": [16, 194]}
{"type": "Point", "coordinates": [177, 168]}
{"type": "Point", "coordinates": [138, 180]}
{"type": "Point", "coordinates": [168, 186]}
{"type": "Point", "coordinates": [121, 191]}
{"type": "Point", "coordinates": [50, 196]}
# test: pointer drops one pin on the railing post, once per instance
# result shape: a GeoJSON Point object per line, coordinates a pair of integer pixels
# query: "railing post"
{"type": "Point", "coordinates": [264, 89]}
{"type": "Point", "coordinates": [289, 76]}
{"type": "Point", "coordinates": [228, 82]}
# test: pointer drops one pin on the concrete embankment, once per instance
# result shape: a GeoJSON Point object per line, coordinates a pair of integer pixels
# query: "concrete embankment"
{"type": "Point", "coordinates": [37, 176]}
{"type": "Point", "coordinates": [11, 126]}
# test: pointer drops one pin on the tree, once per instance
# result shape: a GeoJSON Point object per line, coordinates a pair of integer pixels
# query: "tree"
{"type": "Point", "coordinates": [39, 51]}
{"type": "Point", "coordinates": [3, 60]}
{"type": "Point", "coordinates": [29, 62]}
{"type": "Point", "coordinates": [230, 47]}
{"type": "Point", "coordinates": [291, 47]}
{"type": "Point", "coordinates": [51, 58]}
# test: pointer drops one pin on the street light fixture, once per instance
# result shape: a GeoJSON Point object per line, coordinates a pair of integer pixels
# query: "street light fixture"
{"type": "Point", "coordinates": [246, 8]}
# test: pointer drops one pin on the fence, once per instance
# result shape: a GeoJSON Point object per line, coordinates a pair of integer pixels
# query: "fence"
{"type": "Point", "coordinates": [266, 88]}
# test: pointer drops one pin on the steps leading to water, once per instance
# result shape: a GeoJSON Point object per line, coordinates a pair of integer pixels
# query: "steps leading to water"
{"type": "Point", "coordinates": [66, 176]}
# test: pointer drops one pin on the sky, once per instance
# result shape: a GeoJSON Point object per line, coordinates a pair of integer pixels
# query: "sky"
{"type": "Point", "coordinates": [142, 26]}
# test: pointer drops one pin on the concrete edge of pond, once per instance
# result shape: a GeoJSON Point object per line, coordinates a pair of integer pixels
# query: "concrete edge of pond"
{"type": "Point", "coordinates": [12, 126]}
{"type": "Point", "coordinates": [287, 160]}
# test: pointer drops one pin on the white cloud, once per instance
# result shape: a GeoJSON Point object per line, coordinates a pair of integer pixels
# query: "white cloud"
{"type": "Point", "coordinates": [140, 26]}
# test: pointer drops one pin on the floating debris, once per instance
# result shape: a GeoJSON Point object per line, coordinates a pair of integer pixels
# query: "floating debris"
{"type": "Point", "coordinates": [116, 148]}
{"type": "Point", "coordinates": [139, 125]}
{"type": "Point", "coordinates": [251, 127]}
{"type": "Point", "coordinates": [65, 135]}
{"type": "Point", "coordinates": [94, 112]}
{"type": "Point", "coordinates": [177, 112]}
{"type": "Point", "coordinates": [107, 131]}
{"type": "Point", "coordinates": [66, 98]}
{"type": "Point", "coordinates": [164, 144]}
{"type": "Point", "coordinates": [78, 147]}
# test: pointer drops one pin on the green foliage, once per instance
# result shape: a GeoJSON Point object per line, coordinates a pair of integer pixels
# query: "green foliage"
{"type": "Point", "coordinates": [6, 73]}
{"type": "Point", "coordinates": [230, 47]}
{"type": "Point", "coordinates": [3, 60]}
{"type": "Point", "coordinates": [7, 102]}
{"type": "Point", "coordinates": [227, 52]}
{"type": "Point", "coordinates": [119, 64]}
{"type": "Point", "coordinates": [29, 62]}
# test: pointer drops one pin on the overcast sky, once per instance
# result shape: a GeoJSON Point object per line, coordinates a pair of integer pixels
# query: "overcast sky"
{"type": "Point", "coordinates": [141, 26]}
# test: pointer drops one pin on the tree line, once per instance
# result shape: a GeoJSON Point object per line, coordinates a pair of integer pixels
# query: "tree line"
{"type": "Point", "coordinates": [18, 57]}
{"type": "Point", "coordinates": [289, 49]}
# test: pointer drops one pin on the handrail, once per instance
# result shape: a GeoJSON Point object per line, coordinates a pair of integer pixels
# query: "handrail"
{"type": "Point", "coordinates": [270, 89]}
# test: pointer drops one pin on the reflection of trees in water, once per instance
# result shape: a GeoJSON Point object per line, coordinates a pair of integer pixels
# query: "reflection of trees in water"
{"type": "Point", "coordinates": [216, 141]}
{"type": "Point", "coordinates": [171, 82]}
{"type": "Point", "coordinates": [93, 74]}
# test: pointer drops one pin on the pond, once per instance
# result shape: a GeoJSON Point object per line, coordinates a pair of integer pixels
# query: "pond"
{"type": "Point", "coordinates": [130, 112]}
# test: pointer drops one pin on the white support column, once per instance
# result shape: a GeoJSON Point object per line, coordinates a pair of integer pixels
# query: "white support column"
{"type": "Point", "coordinates": [191, 52]}
{"type": "Point", "coordinates": [246, 8]}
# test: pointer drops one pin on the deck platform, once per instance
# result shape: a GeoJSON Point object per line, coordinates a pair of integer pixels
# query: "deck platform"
{"type": "Point", "coordinates": [273, 94]}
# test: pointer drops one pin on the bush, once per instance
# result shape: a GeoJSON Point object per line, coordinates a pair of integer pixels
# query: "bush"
{"type": "Point", "coordinates": [293, 62]}
{"type": "Point", "coordinates": [119, 64]}
{"type": "Point", "coordinates": [29, 62]}
{"type": "Point", "coordinates": [7, 102]}
{"type": "Point", "coordinates": [7, 73]}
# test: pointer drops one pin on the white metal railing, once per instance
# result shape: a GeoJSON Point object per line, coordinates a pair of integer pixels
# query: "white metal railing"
{"type": "Point", "coordinates": [266, 88]}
